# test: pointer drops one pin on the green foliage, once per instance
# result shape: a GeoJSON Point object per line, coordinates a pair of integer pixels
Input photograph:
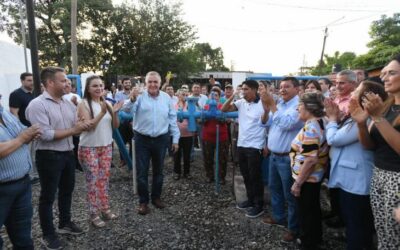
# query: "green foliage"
{"type": "Point", "coordinates": [384, 44]}
{"type": "Point", "coordinates": [150, 36]}
{"type": "Point", "coordinates": [385, 31]}
{"type": "Point", "coordinates": [54, 30]}
{"type": "Point", "coordinates": [211, 59]}
{"type": "Point", "coordinates": [136, 38]}
{"type": "Point", "coordinates": [346, 60]}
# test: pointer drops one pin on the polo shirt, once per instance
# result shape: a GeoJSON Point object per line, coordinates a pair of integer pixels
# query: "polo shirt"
{"type": "Point", "coordinates": [251, 134]}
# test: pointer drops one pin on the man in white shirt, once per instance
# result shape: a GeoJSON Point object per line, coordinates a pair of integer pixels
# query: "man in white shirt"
{"type": "Point", "coordinates": [196, 92]}
{"type": "Point", "coordinates": [170, 91]}
{"type": "Point", "coordinates": [250, 144]}
{"type": "Point", "coordinates": [69, 96]}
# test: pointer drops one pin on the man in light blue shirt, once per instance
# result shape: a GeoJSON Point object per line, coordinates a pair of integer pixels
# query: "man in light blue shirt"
{"type": "Point", "coordinates": [125, 127]}
{"type": "Point", "coordinates": [154, 121]}
{"type": "Point", "coordinates": [15, 186]}
{"type": "Point", "coordinates": [124, 94]}
{"type": "Point", "coordinates": [284, 122]}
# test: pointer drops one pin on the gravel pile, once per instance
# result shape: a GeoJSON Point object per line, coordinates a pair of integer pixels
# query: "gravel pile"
{"type": "Point", "coordinates": [195, 218]}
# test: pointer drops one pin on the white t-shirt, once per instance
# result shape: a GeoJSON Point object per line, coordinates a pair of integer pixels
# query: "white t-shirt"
{"type": "Point", "coordinates": [251, 134]}
{"type": "Point", "coordinates": [202, 100]}
{"type": "Point", "coordinates": [69, 96]}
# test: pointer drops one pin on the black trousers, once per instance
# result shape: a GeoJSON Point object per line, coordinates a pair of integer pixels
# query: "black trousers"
{"type": "Point", "coordinates": [250, 168]}
{"type": "Point", "coordinates": [358, 218]}
{"type": "Point", "coordinates": [310, 215]}
{"type": "Point", "coordinates": [57, 173]}
{"type": "Point", "coordinates": [185, 148]}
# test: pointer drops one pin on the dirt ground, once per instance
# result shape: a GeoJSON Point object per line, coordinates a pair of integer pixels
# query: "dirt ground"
{"type": "Point", "coordinates": [196, 217]}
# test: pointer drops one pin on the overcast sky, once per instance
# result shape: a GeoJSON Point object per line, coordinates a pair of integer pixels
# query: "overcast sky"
{"type": "Point", "coordinates": [279, 36]}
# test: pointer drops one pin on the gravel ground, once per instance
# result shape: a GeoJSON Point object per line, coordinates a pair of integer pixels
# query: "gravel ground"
{"type": "Point", "coordinates": [196, 218]}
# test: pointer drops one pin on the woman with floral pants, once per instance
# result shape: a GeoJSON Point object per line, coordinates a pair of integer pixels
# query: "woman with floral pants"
{"type": "Point", "coordinates": [95, 150]}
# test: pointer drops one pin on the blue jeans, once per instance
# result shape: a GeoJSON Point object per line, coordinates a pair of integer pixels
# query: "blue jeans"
{"type": "Point", "coordinates": [16, 212]}
{"type": "Point", "coordinates": [147, 148]}
{"type": "Point", "coordinates": [56, 172]}
{"type": "Point", "coordinates": [280, 184]}
{"type": "Point", "coordinates": [265, 169]}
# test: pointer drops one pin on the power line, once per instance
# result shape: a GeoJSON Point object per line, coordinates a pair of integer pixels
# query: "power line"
{"type": "Point", "coordinates": [289, 30]}
{"type": "Point", "coordinates": [313, 8]}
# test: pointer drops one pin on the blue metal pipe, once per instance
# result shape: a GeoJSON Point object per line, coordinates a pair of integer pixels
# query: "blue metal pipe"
{"type": "Point", "coordinates": [121, 145]}
{"type": "Point", "coordinates": [271, 78]}
{"type": "Point", "coordinates": [78, 83]}
{"type": "Point", "coordinates": [216, 174]}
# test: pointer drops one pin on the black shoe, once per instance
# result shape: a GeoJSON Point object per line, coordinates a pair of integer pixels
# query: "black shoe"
{"type": "Point", "coordinates": [70, 228]}
{"type": "Point", "coordinates": [34, 180]}
{"type": "Point", "coordinates": [245, 205]}
{"type": "Point", "coordinates": [51, 242]}
{"type": "Point", "coordinates": [254, 212]}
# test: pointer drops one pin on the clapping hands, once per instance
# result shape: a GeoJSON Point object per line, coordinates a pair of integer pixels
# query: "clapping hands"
{"type": "Point", "coordinates": [31, 133]}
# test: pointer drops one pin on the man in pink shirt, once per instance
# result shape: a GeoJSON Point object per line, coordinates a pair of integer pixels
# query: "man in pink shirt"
{"type": "Point", "coordinates": [346, 82]}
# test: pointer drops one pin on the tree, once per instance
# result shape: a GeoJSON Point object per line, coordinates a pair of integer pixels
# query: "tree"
{"type": "Point", "coordinates": [54, 31]}
{"type": "Point", "coordinates": [211, 59]}
{"type": "Point", "coordinates": [134, 38]}
{"type": "Point", "coordinates": [346, 60]}
{"type": "Point", "coordinates": [148, 36]}
{"type": "Point", "coordinates": [385, 43]}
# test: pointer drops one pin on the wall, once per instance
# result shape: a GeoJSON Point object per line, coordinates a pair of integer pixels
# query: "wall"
{"type": "Point", "coordinates": [12, 64]}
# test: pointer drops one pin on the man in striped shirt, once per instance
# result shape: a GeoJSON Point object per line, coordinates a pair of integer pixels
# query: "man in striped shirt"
{"type": "Point", "coordinates": [15, 186]}
{"type": "Point", "coordinates": [54, 156]}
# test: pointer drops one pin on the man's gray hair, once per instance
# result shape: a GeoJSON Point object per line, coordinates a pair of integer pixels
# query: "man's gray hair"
{"type": "Point", "coordinates": [153, 73]}
{"type": "Point", "coordinates": [351, 76]}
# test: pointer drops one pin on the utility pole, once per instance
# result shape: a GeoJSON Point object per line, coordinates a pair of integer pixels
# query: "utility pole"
{"type": "Point", "coordinates": [74, 43]}
{"type": "Point", "coordinates": [33, 46]}
{"type": "Point", "coordinates": [321, 60]}
{"type": "Point", "coordinates": [23, 34]}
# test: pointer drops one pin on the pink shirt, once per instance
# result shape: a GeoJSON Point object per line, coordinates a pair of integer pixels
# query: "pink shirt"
{"type": "Point", "coordinates": [183, 126]}
{"type": "Point", "coordinates": [52, 115]}
{"type": "Point", "coordinates": [343, 103]}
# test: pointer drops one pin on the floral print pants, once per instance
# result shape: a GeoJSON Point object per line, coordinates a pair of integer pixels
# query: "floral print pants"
{"type": "Point", "coordinates": [96, 162]}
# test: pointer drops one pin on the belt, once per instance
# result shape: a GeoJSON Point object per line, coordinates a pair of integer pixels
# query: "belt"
{"type": "Point", "coordinates": [280, 154]}
{"type": "Point", "coordinates": [54, 151]}
{"type": "Point", "coordinates": [155, 137]}
{"type": "Point", "coordinates": [14, 181]}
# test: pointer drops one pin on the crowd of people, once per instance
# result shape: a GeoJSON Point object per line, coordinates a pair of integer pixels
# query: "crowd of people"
{"type": "Point", "coordinates": [293, 137]}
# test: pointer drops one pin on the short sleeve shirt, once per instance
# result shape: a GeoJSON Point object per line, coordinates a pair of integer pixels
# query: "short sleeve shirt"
{"type": "Point", "coordinates": [20, 99]}
{"type": "Point", "coordinates": [310, 142]}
